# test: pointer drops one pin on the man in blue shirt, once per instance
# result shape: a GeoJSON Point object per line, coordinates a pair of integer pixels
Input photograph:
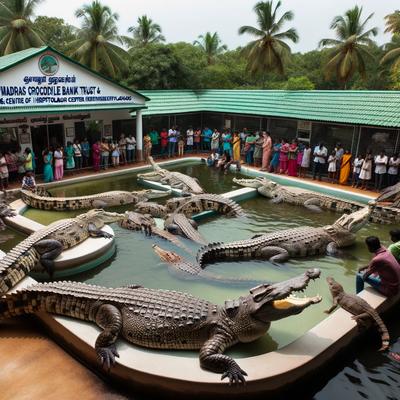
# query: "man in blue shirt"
{"type": "Point", "coordinates": [207, 133]}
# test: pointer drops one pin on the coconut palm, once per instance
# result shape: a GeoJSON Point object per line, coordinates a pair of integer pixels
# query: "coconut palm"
{"type": "Point", "coordinates": [210, 43]}
{"type": "Point", "coordinates": [351, 48]}
{"type": "Point", "coordinates": [269, 51]}
{"type": "Point", "coordinates": [96, 46]}
{"type": "Point", "coordinates": [393, 22]}
{"type": "Point", "coordinates": [392, 56]}
{"type": "Point", "coordinates": [146, 32]}
{"type": "Point", "coordinates": [16, 32]}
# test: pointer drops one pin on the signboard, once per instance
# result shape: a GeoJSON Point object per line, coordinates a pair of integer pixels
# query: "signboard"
{"type": "Point", "coordinates": [50, 80]}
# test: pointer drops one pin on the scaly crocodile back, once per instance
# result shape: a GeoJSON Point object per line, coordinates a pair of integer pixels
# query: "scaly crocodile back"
{"type": "Point", "coordinates": [186, 227]}
{"type": "Point", "coordinates": [300, 242]}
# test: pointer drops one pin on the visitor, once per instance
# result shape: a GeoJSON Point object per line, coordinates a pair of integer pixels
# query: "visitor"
{"type": "Point", "coordinates": [28, 160]}
{"type": "Point", "coordinates": [105, 153]}
{"type": "Point", "coordinates": [382, 273]}
{"type": "Point", "coordinates": [69, 157]}
{"type": "Point", "coordinates": [345, 168]}
{"type": "Point", "coordinates": [339, 151]}
{"type": "Point", "coordinates": [332, 167]}
{"type": "Point", "coordinates": [393, 171]}
{"type": "Point", "coordinates": [300, 152]}
{"type": "Point", "coordinates": [381, 162]}
{"type": "Point", "coordinates": [197, 139]}
{"type": "Point", "coordinates": [130, 148]}
{"type": "Point", "coordinates": [155, 139]}
{"type": "Point", "coordinates": [3, 173]}
{"type": "Point", "coordinates": [181, 146]}
{"type": "Point", "coordinates": [257, 155]}
{"type": "Point", "coordinates": [213, 158]}
{"type": "Point", "coordinates": [249, 148]}
{"type": "Point", "coordinates": [305, 161]}
{"type": "Point", "coordinates": [164, 142]}
{"type": "Point", "coordinates": [358, 162]}
{"type": "Point", "coordinates": [21, 163]}
{"type": "Point", "coordinates": [266, 151]}
{"type": "Point", "coordinates": [283, 157]}
{"type": "Point", "coordinates": [276, 150]}
{"type": "Point", "coordinates": [366, 171]}
{"type": "Point", "coordinates": [28, 181]}
{"type": "Point", "coordinates": [207, 134]}
{"type": "Point", "coordinates": [48, 175]}
{"type": "Point", "coordinates": [58, 164]}
{"type": "Point", "coordinates": [115, 154]}
{"type": "Point", "coordinates": [394, 248]}
{"type": "Point", "coordinates": [235, 146]}
{"type": "Point", "coordinates": [122, 149]}
{"type": "Point", "coordinates": [320, 155]}
{"type": "Point", "coordinates": [85, 149]}
{"type": "Point", "coordinates": [172, 139]}
{"type": "Point", "coordinates": [292, 158]}
{"type": "Point", "coordinates": [243, 135]}
{"type": "Point", "coordinates": [215, 140]}
{"type": "Point", "coordinates": [189, 139]}
{"type": "Point", "coordinates": [147, 146]}
{"type": "Point", "coordinates": [33, 161]}
{"type": "Point", "coordinates": [226, 157]}
{"type": "Point", "coordinates": [96, 155]}
{"type": "Point", "coordinates": [227, 142]}
{"type": "Point", "coordinates": [12, 165]}
{"type": "Point", "coordinates": [77, 154]}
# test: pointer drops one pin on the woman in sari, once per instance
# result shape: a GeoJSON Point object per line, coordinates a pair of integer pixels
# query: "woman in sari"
{"type": "Point", "coordinates": [283, 157]}
{"type": "Point", "coordinates": [345, 168]}
{"type": "Point", "coordinates": [266, 151]}
{"type": "Point", "coordinates": [96, 154]}
{"type": "Point", "coordinates": [292, 158]}
{"type": "Point", "coordinates": [69, 154]}
{"type": "Point", "coordinates": [274, 165]}
{"type": "Point", "coordinates": [48, 167]}
{"type": "Point", "coordinates": [236, 146]}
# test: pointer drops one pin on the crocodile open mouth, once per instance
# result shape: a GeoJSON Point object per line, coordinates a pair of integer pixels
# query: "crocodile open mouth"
{"type": "Point", "coordinates": [293, 301]}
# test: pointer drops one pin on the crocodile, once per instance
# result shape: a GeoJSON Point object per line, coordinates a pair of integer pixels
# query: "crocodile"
{"type": "Point", "coordinates": [154, 209]}
{"type": "Point", "coordinates": [390, 195]}
{"type": "Point", "coordinates": [138, 222]}
{"type": "Point", "coordinates": [5, 212]}
{"type": "Point", "coordinates": [46, 244]}
{"type": "Point", "coordinates": [290, 243]}
{"type": "Point", "coordinates": [164, 319]}
{"type": "Point", "coordinates": [44, 201]}
{"type": "Point", "coordinates": [180, 224]}
{"type": "Point", "coordinates": [174, 179]}
{"type": "Point", "coordinates": [361, 310]}
{"type": "Point", "coordinates": [297, 196]}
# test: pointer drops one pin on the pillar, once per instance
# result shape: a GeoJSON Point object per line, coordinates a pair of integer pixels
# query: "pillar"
{"type": "Point", "coordinates": [139, 136]}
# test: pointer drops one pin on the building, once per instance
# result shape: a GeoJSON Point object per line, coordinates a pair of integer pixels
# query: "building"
{"type": "Point", "coordinates": [48, 99]}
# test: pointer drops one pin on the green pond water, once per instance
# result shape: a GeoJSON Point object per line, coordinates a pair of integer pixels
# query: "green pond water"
{"type": "Point", "coordinates": [135, 261]}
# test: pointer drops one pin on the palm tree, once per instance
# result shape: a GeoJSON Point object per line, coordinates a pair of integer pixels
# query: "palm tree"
{"type": "Point", "coordinates": [96, 46]}
{"type": "Point", "coordinates": [211, 45]}
{"type": "Point", "coordinates": [269, 51]}
{"type": "Point", "coordinates": [144, 33]}
{"type": "Point", "coordinates": [16, 32]}
{"type": "Point", "coordinates": [393, 22]}
{"type": "Point", "coordinates": [351, 47]}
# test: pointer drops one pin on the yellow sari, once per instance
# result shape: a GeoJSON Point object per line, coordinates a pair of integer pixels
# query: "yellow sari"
{"type": "Point", "coordinates": [345, 169]}
{"type": "Point", "coordinates": [236, 149]}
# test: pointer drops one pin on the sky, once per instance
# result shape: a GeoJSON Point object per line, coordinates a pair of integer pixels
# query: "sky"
{"type": "Point", "coordinates": [185, 20]}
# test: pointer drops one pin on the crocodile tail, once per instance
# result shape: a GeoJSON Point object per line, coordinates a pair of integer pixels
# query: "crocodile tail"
{"type": "Point", "coordinates": [18, 303]}
{"type": "Point", "coordinates": [209, 252]}
{"type": "Point", "coordinates": [382, 329]}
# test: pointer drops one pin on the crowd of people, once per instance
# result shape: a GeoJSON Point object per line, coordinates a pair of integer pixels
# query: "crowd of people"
{"type": "Point", "coordinates": [293, 158]}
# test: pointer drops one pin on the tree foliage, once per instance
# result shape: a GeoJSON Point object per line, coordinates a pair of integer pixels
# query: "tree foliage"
{"type": "Point", "coordinates": [210, 44]}
{"type": "Point", "coordinates": [145, 32]}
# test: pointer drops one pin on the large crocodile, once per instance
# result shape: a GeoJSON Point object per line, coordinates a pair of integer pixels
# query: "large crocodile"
{"type": "Point", "coordinates": [44, 201]}
{"type": "Point", "coordinates": [165, 319]}
{"type": "Point", "coordinates": [180, 224]}
{"type": "Point", "coordinates": [174, 179]}
{"type": "Point", "coordinates": [5, 212]}
{"type": "Point", "coordinates": [390, 195]}
{"type": "Point", "coordinates": [298, 196]}
{"type": "Point", "coordinates": [46, 244]}
{"type": "Point", "coordinates": [297, 242]}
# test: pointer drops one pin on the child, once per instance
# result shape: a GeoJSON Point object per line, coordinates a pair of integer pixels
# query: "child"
{"type": "Point", "coordinates": [332, 166]}
{"type": "Point", "coordinates": [28, 182]}
{"type": "Point", "coordinates": [181, 146]}
{"type": "Point", "coordinates": [358, 162]}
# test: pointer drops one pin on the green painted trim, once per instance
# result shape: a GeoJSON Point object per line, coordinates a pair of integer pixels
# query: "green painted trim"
{"type": "Point", "coordinates": [43, 49]}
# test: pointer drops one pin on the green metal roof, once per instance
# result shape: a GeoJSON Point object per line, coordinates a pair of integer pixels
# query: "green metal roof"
{"type": "Point", "coordinates": [356, 107]}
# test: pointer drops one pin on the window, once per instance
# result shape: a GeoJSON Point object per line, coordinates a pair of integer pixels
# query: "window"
{"type": "Point", "coordinates": [377, 139]}
{"type": "Point", "coordinates": [333, 134]}
{"type": "Point", "coordinates": [283, 128]}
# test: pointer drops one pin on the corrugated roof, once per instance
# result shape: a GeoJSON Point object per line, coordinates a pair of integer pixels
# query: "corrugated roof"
{"type": "Point", "coordinates": [10, 60]}
{"type": "Point", "coordinates": [359, 107]}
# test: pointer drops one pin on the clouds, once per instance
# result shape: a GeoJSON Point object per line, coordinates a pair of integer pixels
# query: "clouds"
{"type": "Point", "coordinates": [184, 20]}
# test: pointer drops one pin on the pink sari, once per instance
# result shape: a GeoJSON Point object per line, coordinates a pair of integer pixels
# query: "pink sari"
{"type": "Point", "coordinates": [266, 155]}
{"type": "Point", "coordinates": [292, 164]}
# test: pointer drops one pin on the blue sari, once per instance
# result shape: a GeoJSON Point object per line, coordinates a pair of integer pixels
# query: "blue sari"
{"type": "Point", "coordinates": [48, 169]}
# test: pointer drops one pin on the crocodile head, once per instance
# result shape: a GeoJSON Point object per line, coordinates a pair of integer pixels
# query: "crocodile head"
{"type": "Point", "coordinates": [152, 193]}
{"type": "Point", "coordinates": [99, 217]}
{"type": "Point", "coordinates": [269, 189]}
{"type": "Point", "coordinates": [355, 221]}
{"type": "Point", "coordinates": [252, 183]}
{"type": "Point", "coordinates": [134, 221]}
{"type": "Point", "coordinates": [271, 302]}
{"type": "Point", "coordinates": [334, 287]}
{"type": "Point", "coordinates": [153, 176]}
{"type": "Point", "coordinates": [167, 256]}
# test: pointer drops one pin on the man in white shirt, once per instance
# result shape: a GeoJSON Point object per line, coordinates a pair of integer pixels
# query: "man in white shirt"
{"type": "Point", "coordinates": [320, 154]}
{"type": "Point", "coordinates": [393, 170]}
{"type": "Point", "coordinates": [381, 162]}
